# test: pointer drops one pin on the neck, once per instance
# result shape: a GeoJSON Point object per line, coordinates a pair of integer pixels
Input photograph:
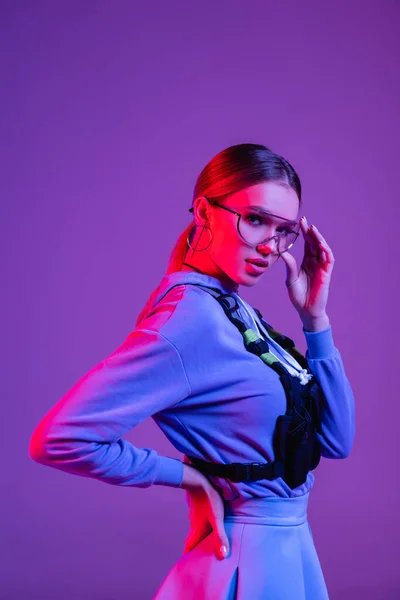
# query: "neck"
{"type": "Point", "coordinates": [192, 267]}
{"type": "Point", "coordinates": [217, 273]}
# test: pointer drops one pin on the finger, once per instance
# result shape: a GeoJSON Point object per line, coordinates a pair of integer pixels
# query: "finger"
{"type": "Point", "coordinates": [221, 542]}
{"type": "Point", "coordinates": [318, 236]}
{"type": "Point", "coordinates": [310, 237]}
{"type": "Point", "coordinates": [217, 522]}
{"type": "Point", "coordinates": [327, 251]}
{"type": "Point", "coordinates": [192, 542]}
{"type": "Point", "coordinates": [316, 244]}
{"type": "Point", "coordinates": [305, 228]}
{"type": "Point", "coordinates": [322, 254]}
{"type": "Point", "coordinates": [196, 536]}
{"type": "Point", "coordinates": [216, 518]}
{"type": "Point", "coordinates": [221, 545]}
{"type": "Point", "coordinates": [220, 537]}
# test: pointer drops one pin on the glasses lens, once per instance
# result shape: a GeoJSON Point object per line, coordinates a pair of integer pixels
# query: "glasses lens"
{"type": "Point", "coordinates": [254, 227]}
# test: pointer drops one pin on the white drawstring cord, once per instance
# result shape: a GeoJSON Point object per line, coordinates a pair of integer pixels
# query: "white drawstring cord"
{"type": "Point", "coordinates": [291, 364]}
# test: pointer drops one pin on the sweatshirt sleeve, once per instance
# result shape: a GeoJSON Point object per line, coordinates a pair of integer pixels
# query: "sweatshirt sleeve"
{"type": "Point", "coordinates": [338, 408]}
{"type": "Point", "coordinates": [82, 433]}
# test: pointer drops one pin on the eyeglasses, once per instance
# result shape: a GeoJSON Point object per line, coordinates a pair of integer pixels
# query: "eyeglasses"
{"type": "Point", "coordinates": [253, 224]}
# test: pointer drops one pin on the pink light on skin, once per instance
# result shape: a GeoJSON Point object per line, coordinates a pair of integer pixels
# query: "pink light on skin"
{"type": "Point", "coordinates": [226, 256]}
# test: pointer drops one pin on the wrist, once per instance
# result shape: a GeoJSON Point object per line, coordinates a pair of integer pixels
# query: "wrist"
{"type": "Point", "coordinates": [193, 479]}
{"type": "Point", "coordinates": [315, 324]}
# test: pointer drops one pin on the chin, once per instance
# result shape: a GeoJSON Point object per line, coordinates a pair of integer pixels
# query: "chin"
{"type": "Point", "coordinates": [246, 280]}
{"type": "Point", "coordinates": [250, 282]}
{"type": "Point", "coordinates": [241, 277]}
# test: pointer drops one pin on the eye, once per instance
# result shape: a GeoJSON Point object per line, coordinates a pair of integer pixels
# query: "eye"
{"type": "Point", "coordinates": [252, 217]}
{"type": "Point", "coordinates": [288, 231]}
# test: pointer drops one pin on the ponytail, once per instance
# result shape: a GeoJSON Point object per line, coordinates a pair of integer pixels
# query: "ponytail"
{"type": "Point", "coordinates": [180, 249]}
{"type": "Point", "coordinates": [176, 259]}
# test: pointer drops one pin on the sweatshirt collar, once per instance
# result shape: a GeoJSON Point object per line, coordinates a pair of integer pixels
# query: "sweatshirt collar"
{"type": "Point", "coordinates": [182, 277]}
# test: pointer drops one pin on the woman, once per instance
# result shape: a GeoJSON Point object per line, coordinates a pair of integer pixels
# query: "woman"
{"type": "Point", "coordinates": [186, 365]}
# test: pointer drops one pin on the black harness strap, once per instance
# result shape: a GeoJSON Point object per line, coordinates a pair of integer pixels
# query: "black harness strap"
{"type": "Point", "coordinates": [296, 447]}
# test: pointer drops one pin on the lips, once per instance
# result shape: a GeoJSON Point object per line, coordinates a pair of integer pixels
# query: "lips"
{"type": "Point", "coordinates": [258, 261]}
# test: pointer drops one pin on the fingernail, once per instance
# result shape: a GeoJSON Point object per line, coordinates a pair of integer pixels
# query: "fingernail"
{"type": "Point", "coordinates": [224, 551]}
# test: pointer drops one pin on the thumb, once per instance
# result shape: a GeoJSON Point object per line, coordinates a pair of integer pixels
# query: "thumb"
{"type": "Point", "coordinates": [221, 541]}
{"type": "Point", "coordinates": [291, 268]}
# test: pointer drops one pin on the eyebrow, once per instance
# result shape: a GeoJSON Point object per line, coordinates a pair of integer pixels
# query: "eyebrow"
{"type": "Point", "coordinates": [260, 208]}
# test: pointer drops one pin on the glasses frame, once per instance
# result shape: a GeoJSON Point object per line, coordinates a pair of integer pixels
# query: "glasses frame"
{"type": "Point", "coordinates": [239, 215]}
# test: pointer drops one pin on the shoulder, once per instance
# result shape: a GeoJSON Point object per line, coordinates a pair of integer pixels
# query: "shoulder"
{"type": "Point", "coordinates": [184, 309]}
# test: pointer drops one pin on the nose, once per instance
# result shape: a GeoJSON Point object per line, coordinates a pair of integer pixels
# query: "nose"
{"type": "Point", "coordinates": [269, 247]}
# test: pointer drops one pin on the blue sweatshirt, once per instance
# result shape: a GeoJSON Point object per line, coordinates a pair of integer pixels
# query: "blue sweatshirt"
{"type": "Point", "coordinates": [186, 366]}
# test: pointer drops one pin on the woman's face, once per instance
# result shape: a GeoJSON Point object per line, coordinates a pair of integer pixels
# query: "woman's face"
{"type": "Point", "coordinates": [228, 251]}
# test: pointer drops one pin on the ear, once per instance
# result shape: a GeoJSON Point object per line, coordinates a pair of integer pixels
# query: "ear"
{"type": "Point", "coordinates": [201, 208]}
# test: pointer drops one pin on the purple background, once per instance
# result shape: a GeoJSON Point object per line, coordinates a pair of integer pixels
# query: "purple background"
{"type": "Point", "coordinates": [109, 110]}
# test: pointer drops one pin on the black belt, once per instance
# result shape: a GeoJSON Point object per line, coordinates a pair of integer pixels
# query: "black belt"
{"type": "Point", "coordinates": [240, 471]}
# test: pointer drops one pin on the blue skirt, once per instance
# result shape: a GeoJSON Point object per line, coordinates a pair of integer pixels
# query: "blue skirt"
{"type": "Point", "coordinates": [272, 556]}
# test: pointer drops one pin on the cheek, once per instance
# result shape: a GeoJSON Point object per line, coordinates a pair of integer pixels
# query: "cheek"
{"type": "Point", "coordinates": [231, 246]}
{"type": "Point", "coordinates": [227, 240]}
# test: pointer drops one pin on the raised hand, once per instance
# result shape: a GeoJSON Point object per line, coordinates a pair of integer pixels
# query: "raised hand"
{"type": "Point", "coordinates": [308, 287]}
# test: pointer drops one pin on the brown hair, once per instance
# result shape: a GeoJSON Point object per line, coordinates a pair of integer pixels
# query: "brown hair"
{"type": "Point", "coordinates": [230, 171]}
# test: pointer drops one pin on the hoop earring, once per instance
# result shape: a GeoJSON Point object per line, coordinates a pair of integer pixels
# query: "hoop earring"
{"type": "Point", "coordinates": [200, 250]}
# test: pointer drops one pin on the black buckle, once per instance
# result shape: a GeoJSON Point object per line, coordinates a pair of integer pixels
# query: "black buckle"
{"type": "Point", "coordinates": [246, 471]}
